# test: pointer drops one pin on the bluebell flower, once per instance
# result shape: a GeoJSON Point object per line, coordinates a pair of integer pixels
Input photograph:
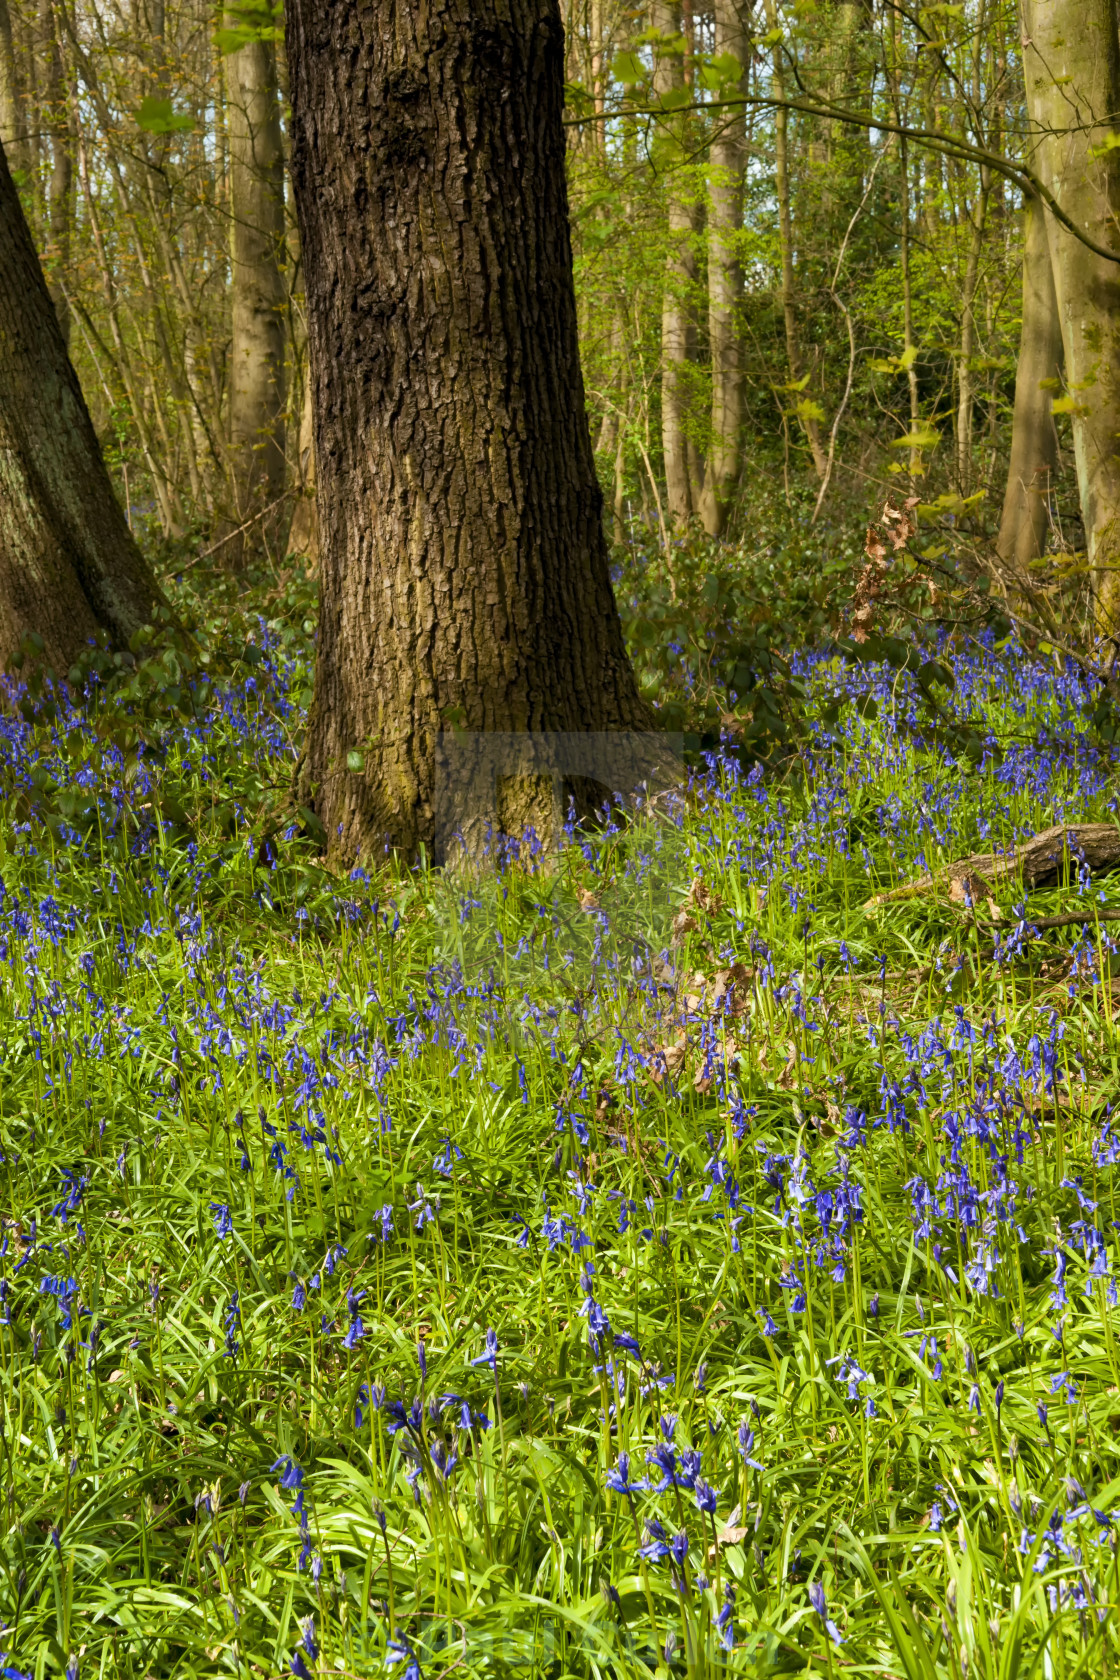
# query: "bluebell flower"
{"type": "Point", "coordinates": [819, 1603]}
{"type": "Point", "coordinates": [746, 1446]}
{"type": "Point", "coordinates": [223, 1222]}
{"type": "Point", "coordinates": [724, 1621]}
{"type": "Point", "coordinates": [400, 1650]}
{"type": "Point", "coordinates": [705, 1496]}
{"type": "Point", "coordinates": [232, 1321]}
{"type": "Point", "coordinates": [291, 1475]}
{"type": "Point", "coordinates": [618, 1478]}
{"type": "Point", "coordinates": [656, 1546]}
{"type": "Point", "coordinates": [490, 1357]}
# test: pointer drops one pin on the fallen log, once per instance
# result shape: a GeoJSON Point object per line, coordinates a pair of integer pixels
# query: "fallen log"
{"type": "Point", "coordinates": [1039, 862]}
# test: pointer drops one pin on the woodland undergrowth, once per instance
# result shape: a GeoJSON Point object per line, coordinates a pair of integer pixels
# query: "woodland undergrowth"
{"type": "Point", "coordinates": [659, 1262]}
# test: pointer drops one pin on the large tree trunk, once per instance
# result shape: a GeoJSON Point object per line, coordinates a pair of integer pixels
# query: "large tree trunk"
{"type": "Point", "coordinates": [1072, 74]}
{"type": "Point", "coordinates": [725, 277]}
{"type": "Point", "coordinates": [68, 564]}
{"type": "Point", "coordinates": [1025, 524]}
{"type": "Point", "coordinates": [257, 393]}
{"type": "Point", "coordinates": [678, 348]}
{"type": "Point", "coordinates": [464, 568]}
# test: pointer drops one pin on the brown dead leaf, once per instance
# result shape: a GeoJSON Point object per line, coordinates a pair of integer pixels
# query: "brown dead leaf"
{"type": "Point", "coordinates": [683, 924]}
{"type": "Point", "coordinates": [587, 899]}
{"type": "Point", "coordinates": [666, 1059]}
{"type": "Point", "coordinates": [732, 983]}
{"type": "Point", "coordinates": [969, 889]}
{"type": "Point", "coordinates": [702, 896]}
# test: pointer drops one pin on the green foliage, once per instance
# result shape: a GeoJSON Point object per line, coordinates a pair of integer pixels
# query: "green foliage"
{"type": "Point", "coordinates": [158, 116]}
{"type": "Point", "coordinates": [248, 21]}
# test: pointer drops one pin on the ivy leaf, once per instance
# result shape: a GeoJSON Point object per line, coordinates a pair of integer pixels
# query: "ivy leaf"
{"type": "Point", "coordinates": [159, 116]}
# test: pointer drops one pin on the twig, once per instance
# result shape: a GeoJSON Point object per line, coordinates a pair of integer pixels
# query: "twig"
{"type": "Point", "coordinates": [214, 547]}
{"type": "Point", "coordinates": [851, 339]}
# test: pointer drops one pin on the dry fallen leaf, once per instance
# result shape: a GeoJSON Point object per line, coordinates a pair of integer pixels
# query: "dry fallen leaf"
{"type": "Point", "coordinates": [702, 896]}
{"type": "Point", "coordinates": [666, 1059]}
{"type": "Point", "coordinates": [683, 924]}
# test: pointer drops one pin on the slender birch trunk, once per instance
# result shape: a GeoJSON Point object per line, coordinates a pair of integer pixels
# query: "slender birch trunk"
{"type": "Point", "coordinates": [257, 379]}
{"type": "Point", "coordinates": [806, 416]}
{"type": "Point", "coordinates": [966, 373]}
{"type": "Point", "coordinates": [678, 336]}
{"type": "Point", "coordinates": [1025, 524]}
{"type": "Point", "coordinates": [725, 276]}
{"type": "Point", "coordinates": [60, 183]}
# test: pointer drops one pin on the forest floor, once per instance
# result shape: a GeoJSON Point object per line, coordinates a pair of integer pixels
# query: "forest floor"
{"type": "Point", "coordinates": [537, 1279]}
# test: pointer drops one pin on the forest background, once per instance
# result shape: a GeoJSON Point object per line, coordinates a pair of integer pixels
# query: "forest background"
{"type": "Point", "coordinates": [799, 237]}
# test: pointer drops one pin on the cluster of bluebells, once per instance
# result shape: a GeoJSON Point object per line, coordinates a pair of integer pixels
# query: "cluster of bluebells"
{"type": "Point", "coordinates": [703, 1113]}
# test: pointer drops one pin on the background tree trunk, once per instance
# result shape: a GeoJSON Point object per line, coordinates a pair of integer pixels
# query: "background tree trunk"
{"type": "Point", "coordinates": [462, 556]}
{"type": "Point", "coordinates": [259, 297]}
{"type": "Point", "coordinates": [677, 332]}
{"type": "Point", "coordinates": [303, 533]}
{"type": "Point", "coordinates": [68, 563]}
{"type": "Point", "coordinates": [1025, 523]}
{"type": "Point", "coordinates": [1072, 74]}
{"type": "Point", "coordinates": [802, 406]}
{"type": "Point", "coordinates": [60, 184]}
{"type": "Point", "coordinates": [13, 114]}
{"type": "Point", "coordinates": [725, 277]}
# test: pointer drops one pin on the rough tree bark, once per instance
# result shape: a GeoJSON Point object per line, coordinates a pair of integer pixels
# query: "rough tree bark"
{"type": "Point", "coordinates": [1025, 523]}
{"type": "Point", "coordinates": [1071, 64]}
{"type": "Point", "coordinates": [68, 563]}
{"type": "Point", "coordinates": [725, 277]}
{"type": "Point", "coordinates": [464, 568]}
{"type": "Point", "coordinates": [257, 380]}
{"type": "Point", "coordinates": [678, 348]}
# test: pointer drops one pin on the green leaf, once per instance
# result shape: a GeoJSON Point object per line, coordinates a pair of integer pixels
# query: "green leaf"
{"type": "Point", "coordinates": [924, 438]}
{"type": "Point", "coordinates": [727, 67]}
{"type": "Point", "coordinates": [158, 116]}
{"type": "Point", "coordinates": [1108, 144]}
{"type": "Point", "coordinates": [355, 760]}
{"type": "Point", "coordinates": [628, 68]}
{"type": "Point", "coordinates": [251, 20]}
